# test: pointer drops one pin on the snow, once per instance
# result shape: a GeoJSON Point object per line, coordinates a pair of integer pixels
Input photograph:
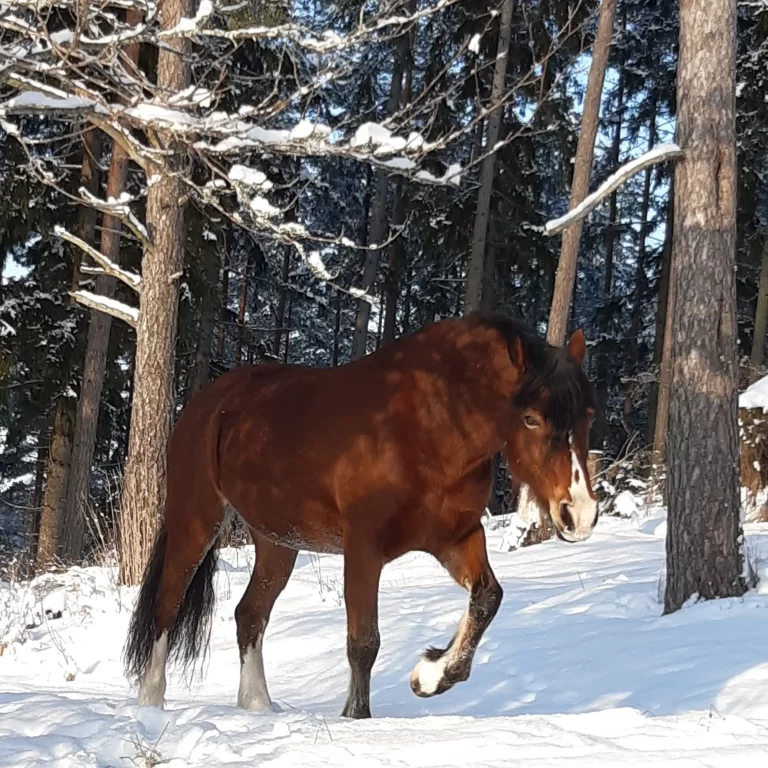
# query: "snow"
{"type": "Point", "coordinates": [35, 100]}
{"type": "Point", "coordinates": [108, 305]}
{"type": "Point", "coordinates": [260, 205]}
{"type": "Point", "coordinates": [756, 395]}
{"type": "Point", "coordinates": [579, 668]}
{"type": "Point", "coordinates": [251, 177]}
{"type": "Point", "coordinates": [658, 154]}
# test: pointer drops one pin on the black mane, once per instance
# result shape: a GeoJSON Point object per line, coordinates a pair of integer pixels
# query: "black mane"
{"type": "Point", "coordinates": [553, 382]}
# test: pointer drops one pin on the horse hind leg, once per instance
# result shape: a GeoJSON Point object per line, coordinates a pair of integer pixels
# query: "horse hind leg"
{"type": "Point", "coordinates": [467, 562]}
{"type": "Point", "coordinates": [273, 567]}
{"type": "Point", "coordinates": [172, 615]}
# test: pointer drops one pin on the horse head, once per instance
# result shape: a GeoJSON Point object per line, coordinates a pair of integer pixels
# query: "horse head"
{"type": "Point", "coordinates": [548, 438]}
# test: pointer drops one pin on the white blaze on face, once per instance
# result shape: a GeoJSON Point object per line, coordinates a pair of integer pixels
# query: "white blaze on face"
{"type": "Point", "coordinates": [583, 508]}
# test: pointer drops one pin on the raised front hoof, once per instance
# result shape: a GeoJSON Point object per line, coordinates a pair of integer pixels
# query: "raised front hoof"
{"type": "Point", "coordinates": [431, 678]}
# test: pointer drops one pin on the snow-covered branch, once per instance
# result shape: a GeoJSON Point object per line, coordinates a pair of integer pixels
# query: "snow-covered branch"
{"type": "Point", "coordinates": [129, 278]}
{"type": "Point", "coordinates": [109, 306]}
{"type": "Point", "coordinates": [655, 156]}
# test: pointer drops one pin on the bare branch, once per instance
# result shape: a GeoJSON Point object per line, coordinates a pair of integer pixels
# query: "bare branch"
{"type": "Point", "coordinates": [129, 278]}
{"type": "Point", "coordinates": [109, 306]}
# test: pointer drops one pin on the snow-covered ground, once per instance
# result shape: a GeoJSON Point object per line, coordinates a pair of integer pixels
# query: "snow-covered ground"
{"type": "Point", "coordinates": [579, 669]}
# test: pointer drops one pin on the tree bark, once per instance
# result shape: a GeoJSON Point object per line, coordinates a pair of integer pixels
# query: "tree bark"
{"type": "Point", "coordinates": [566, 269]}
{"type": "Point", "coordinates": [704, 532]}
{"type": "Point", "coordinates": [473, 290]}
{"type": "Point", "coordinates": [56, 525]}
{"type": "Point", "coordinates": [57, 471]}
{"type": "Point", "coordinates": [761, 318]}
{"type": "Point", "coordinates": [89, 178]}
{"type": "Point", "coordinates": [144, 483]}
{"type": "Point", "coordinates": [379, 223]}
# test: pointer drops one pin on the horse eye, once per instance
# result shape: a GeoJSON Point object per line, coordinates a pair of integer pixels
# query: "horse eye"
{"type": "Point", "coordinates": [530, 422]}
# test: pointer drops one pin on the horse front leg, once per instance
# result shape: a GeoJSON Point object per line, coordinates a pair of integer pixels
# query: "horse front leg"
{"type": "Point", "coordinates": [467, 562]}
{"type": "Point", "coordinates": [361, 595]}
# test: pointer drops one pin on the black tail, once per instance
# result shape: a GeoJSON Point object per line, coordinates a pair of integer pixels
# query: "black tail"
{"type": "Point", "coordinates": [189, 636]}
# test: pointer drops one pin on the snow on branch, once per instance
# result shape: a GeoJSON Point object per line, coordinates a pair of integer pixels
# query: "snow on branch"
{"type": "Point", "coordinates": [129, 278]}
{"type": "Point", "coordinates": [655, 156]}
{"type": "Point", "coordinates": [109, 306]}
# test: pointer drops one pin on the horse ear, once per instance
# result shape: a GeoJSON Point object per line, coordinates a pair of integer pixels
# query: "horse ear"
{"type": "Point", "coordinates": [577, 346]}
{"type": "Point", "coordinates": [517, 354]}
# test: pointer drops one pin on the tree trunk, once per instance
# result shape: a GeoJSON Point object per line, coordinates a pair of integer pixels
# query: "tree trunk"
{"type": "Point", "coordinates": [379, 223]}
{"type": "Point", "coordinates": [704, 533]}
{"type": "Point", "coordinates": [283, 294]}
{"type": "Point", "coordinates": [541, 525]}
{"type": "Point", "coordinates": [56, 524]}
{"type": "Point", "coordinates": [201, 371]}
{"type": "Point", "coordinates": [95, 363]}
{"type": "Point", "coordinates": [144, 484]}
{"type": "Point", "coordinates": [56, 474]}
{"type": "Point", "coordinates": [640, 280]}
{"type": "Point", "coordinates": [473, 290]}
{"type": "Point", "coordinates": [761, 318]}
{"type": "Point", "coordinates": [659, 339]}
{"type": "Point", "coordinates": [566, 268]}
{"type": "Point", "coordinates": [89, 178]}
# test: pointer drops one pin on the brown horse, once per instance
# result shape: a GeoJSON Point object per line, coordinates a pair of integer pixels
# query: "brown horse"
{"type": "Point", "coordinates": [387, 455]}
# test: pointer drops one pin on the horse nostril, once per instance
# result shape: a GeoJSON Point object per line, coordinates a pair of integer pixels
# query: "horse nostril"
{"type": "Point", "coordinates": [565, 515]}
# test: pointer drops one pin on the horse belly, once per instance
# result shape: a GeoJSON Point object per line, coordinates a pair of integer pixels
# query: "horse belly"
{"type": "Point", "coordinates": [308, 526]}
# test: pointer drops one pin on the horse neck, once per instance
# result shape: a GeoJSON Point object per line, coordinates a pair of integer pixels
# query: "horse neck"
{"type": "Point", "coordinates": [472, 417]}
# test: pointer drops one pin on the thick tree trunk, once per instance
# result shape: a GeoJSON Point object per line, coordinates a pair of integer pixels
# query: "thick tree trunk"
{"type": "Point", "coordinates": [379, 224]}
{"type": "Point", "coordinates": [56, 474]}
{"type": "Point", "coordinates": [144, 483]}
{"type": "Point", "coordinates": [566, 268]}
{"type": "Point", "coordinates": [201, 371]}
{"type": "Point", "coordinates": [704, 534]}
{"type": "Point", "coordinates": [761, 318]}
{"type": "Point", "coordinates": [473, 290]}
